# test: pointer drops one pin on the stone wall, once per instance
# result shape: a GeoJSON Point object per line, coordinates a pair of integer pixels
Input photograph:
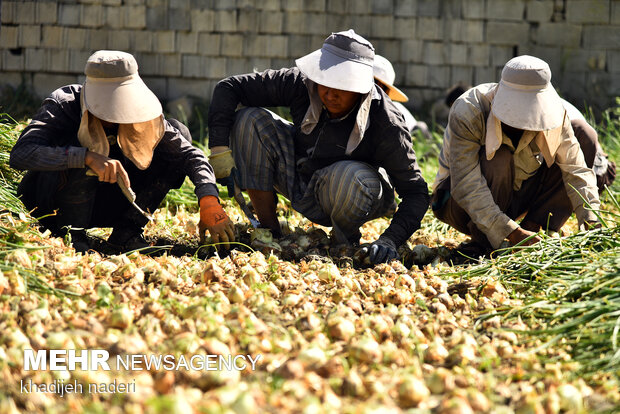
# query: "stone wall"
{"type": "Point", "coordinates": [184, 47]}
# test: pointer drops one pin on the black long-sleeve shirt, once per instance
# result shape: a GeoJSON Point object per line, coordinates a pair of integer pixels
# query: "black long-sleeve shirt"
{"type": "Point", "coordinates": [50, 143]}
{"type": "Point", "coordinates": [386, 143]}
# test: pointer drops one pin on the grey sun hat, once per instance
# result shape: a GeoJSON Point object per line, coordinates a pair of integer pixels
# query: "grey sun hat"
{"type": "Point", "coordinates": [525, 98]}
{"type": "Point", "coordinates": [344, 62]}
{"type": "Point", "coordinates": [114, 92]}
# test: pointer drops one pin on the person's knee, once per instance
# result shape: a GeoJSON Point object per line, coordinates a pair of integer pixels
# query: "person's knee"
{"type": "Point", "coordinates": [371, 188]}
{"type": "Point", "coordinates": [354, 189]}
{"type": "Point", "coordinates": [359, 197]}
{"type": "Point", "coordinates": [244, 129]}
{"type": "Point", "coordinates": [76, 187]}
{"type": "Point", "coordinates": [164, 178]}
{"type": "Point", "coordinates": [247, 116]}
{"type": "Point", "coordinates": [587, 138]}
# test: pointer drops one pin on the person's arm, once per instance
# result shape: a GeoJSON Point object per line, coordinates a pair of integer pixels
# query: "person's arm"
{"type": "Point", "coordinates": [579, 180]}
{"type": "Point", "coordinates": [393, 151]}
{"type": "Point", "coordinates": [399, 160]}
{"type": "Point", "coordinates": [49, 142]}
{"type": "Point", "coordinates": [194, 162]}
{"type": "Point", "coordinates": [466, 128]}
{"type": "Point", "coordinates": [196, 166]}
{"type": "Point", "coordinates": [270, 88]}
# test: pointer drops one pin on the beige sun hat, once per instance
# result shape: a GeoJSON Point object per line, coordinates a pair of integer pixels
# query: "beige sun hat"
{"type": "Point", "coordinates": [114, 92]}
{"type": "Point", "coordinates": [384, 73]}
{"type": "Point", "coordinates": [344, 62]}
{"type": "Point", "coordinates": [525, 98]}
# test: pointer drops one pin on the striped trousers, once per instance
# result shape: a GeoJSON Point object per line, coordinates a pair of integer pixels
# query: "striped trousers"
{"type": "Point", "coordinates": [343, 195]}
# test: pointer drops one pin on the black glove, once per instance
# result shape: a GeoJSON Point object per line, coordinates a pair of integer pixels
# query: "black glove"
{"type": "Point", "coordinates": [381, 251]}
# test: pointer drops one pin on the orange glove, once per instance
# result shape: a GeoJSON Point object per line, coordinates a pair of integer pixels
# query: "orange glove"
{"type": "Point", "coordinates": [214, 219]}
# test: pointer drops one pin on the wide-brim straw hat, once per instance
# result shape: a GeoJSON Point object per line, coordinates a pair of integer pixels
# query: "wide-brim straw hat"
{"type": "Point", "coordinates": [383, 71]}
{"type": "Point", "coordinates": [525, 98]}
{"type": "Point", "coordinates": [344, 62]}
{"type": "Point", "coordinates": [114, 92]}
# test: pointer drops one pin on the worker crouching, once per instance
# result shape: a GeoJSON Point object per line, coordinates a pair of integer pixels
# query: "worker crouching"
{"type": "Point", "coordinates": [88, 138]}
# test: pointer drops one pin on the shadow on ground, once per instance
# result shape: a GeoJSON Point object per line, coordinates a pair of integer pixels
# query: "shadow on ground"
{"type": "Point", "coordinates": [297, 246]}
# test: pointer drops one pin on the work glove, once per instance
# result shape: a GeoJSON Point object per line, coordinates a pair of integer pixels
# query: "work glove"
{"type": "Point", "coordinates": [381, 251]}
{"type": "Point", "coordinates": [214, 219]}
{"type": "Point", "coordinates": [604, 170]}
{"type": "Point", "coordinates": [222, 161]}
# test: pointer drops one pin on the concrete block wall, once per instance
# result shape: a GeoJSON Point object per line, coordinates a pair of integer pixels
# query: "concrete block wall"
{"type": "Point", "coordinates": [184, 47]}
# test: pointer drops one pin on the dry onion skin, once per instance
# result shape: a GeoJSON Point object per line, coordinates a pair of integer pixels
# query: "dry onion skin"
{"type": "Point", "coordinates": [332, 336]}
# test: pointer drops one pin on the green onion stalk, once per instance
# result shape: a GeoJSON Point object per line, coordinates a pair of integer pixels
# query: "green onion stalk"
{"type": "Point", "coordinates": [570, 293]}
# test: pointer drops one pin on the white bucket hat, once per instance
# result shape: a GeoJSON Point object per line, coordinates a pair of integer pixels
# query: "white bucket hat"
{"type": "Point", "coordinates": [525, 98]}
{"type": "Point", "coordinates": [114, 92]}
{"type": "Point", "coordinates": [384, 73]}
{"type": "Point", "coordinates": [344, 62]}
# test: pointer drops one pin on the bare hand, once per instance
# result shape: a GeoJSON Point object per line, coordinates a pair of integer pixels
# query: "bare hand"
{"type": "Point", "coordinates": [521, 234]}
{"type": "Point", "coordinates": [106, 168]}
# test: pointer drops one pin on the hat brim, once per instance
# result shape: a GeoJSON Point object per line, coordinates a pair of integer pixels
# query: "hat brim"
{"type": "Point", "coordinates": [123, 101]}
{"type": "Point", "coordinates": [537, 109]}
{"type": "Point", "coordinates": [393, 92]}
{"type": "Point", "coordinates": [328, 69]}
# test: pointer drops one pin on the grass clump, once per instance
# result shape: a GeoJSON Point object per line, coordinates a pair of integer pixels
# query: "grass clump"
{"type": "Point", "coordinates": [570, 293]}
{"type": "Point", "coordinates": [9, 178]}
